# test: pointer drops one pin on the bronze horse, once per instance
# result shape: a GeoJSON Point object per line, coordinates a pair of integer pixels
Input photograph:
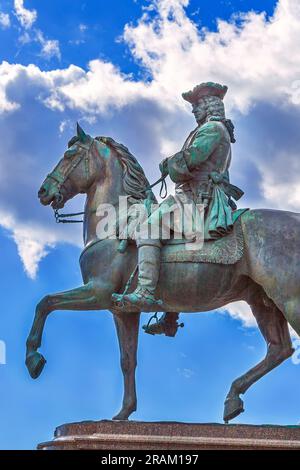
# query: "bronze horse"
{"type": "Point", "coordinates": [267, 276]}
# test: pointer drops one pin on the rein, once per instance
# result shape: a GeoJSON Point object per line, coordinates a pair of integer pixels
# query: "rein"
{"type": "Point", "coordinates": [63, 218]}
{"type": "Point", "coordinates": [163, 187]}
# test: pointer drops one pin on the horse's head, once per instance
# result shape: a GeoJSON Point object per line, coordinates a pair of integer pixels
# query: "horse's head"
{"type": "Point", "coordinates": [99, 160]}
{"type": "Point", "coordinates": [83, 161]}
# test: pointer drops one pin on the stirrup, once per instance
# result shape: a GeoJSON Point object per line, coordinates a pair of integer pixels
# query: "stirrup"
{"type": "Point", "coordinates": [161, 326]}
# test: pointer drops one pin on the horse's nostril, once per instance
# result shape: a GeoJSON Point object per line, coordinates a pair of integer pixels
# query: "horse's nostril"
{"type": "Point", "coordinates": [41, 191]}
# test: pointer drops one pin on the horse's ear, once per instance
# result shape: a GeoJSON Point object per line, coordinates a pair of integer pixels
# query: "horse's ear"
{"type": "Point", "coordinates": [81, 134]}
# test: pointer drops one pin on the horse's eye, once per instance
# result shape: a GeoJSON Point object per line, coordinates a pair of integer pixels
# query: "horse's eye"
{"type": "Point", "coordinates": [70, 152]}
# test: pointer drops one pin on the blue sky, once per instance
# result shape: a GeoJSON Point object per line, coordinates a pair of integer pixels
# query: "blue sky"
{"type": "Point", "coordinates": [108, 65]}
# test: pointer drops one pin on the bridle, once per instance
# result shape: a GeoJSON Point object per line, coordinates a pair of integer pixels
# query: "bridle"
{"type": "Point", "coordinates": [60, 180]}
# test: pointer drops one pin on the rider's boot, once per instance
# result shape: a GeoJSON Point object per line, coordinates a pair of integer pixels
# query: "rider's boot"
{"type": "Point", "coordinates": [143, 298]}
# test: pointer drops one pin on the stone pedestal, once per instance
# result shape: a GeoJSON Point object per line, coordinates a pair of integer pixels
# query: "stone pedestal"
{"type": "Point", "coordinates": [134, 435]}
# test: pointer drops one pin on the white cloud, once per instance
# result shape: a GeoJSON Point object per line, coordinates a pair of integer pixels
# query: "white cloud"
{"type": "Point", "coordinates": [63, 125]}
{"type": "Point", "coordinates": [186, 373]}
{"type": "Point", "coordinates": [177, 56]}
{"type": "Point", "coordinates": [51, 81]}
{"type": "Point", "coordinates": [31, 251]}
{"type": "Point", "coordinates": [4, 20]}
{"type": "Point", "coordinates": [26, 17]}
{"type": "Point", "coordinates": [24, 38]}
{"type": "Point", "coordinates": [294, 335]}
{"type": "Point", "coordinates": [249, 53]}
{"type": "Point", "coordinates": [8, 74]}
{"type": "Point", "coordinates": [76, 42]}
{"type": "Point", "coordinates": [49, 47]}
{"type": "Point", "coordinates": [240, 311]}
{"type": "Point", "coordinates": [82, 27]}
{"type": "Point", "coordinates": [32, 242]}
{"type": "Point", "coordinates": [279, 192]}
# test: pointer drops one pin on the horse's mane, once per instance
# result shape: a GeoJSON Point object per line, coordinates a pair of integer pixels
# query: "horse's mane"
{"type": "Point", "coordinates": [135, 182]}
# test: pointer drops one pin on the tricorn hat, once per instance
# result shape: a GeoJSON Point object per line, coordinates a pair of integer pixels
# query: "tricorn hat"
{"type": "Point", "coordinates": [205, 89]}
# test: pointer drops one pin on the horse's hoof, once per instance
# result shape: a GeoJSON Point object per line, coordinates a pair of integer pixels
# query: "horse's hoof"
{"type": "Point", "coordinates": [124, 414]}
{"type": "Point", "coordinates": [233, 407]}
{"type": "Point", "coordinates": [35, 363]}
{"type": "Point", "coordinates": [120, 417]}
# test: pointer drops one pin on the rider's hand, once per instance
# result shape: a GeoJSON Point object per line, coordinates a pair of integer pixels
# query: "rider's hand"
{"type": "Point", "coordinates": [163, 166]}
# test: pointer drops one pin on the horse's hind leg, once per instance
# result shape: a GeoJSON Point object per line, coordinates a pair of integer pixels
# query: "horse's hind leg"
{"type": "Point", "coordinates": [291, 311]}
{"type": "Point", "coordinates": [274, 328]}
{"type": "Point", "coordinates": [127, 325]}
{"type": "Point", "coordinates": [82, 298]}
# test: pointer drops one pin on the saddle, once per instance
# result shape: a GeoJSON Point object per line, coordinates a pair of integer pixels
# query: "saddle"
{"type": "Point", "coordinates": [225, 250]}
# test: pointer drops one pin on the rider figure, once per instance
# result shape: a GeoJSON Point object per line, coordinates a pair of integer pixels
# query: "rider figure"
{"type": "Point", "coordinates": [200, 172]}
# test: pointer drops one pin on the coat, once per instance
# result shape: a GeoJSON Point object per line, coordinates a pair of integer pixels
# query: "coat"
{"type": "Point", "coordinates": [201, 174]}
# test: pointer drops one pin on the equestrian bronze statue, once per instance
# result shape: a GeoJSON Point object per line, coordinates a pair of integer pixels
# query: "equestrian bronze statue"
{"type": "Point", "coordinates": [250, 255]}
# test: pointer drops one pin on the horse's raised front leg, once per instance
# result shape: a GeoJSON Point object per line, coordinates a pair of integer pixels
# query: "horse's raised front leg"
{"type": "Point", "coordinates": [274, 328]}
{"type": "Point", "coordinates": [127, 325]}
{"type": "Point", "coordinates": [86, 297]}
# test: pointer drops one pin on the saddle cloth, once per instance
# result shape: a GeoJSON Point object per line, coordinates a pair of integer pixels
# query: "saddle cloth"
{"type": "Point", "coordinates": [226, 250]}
